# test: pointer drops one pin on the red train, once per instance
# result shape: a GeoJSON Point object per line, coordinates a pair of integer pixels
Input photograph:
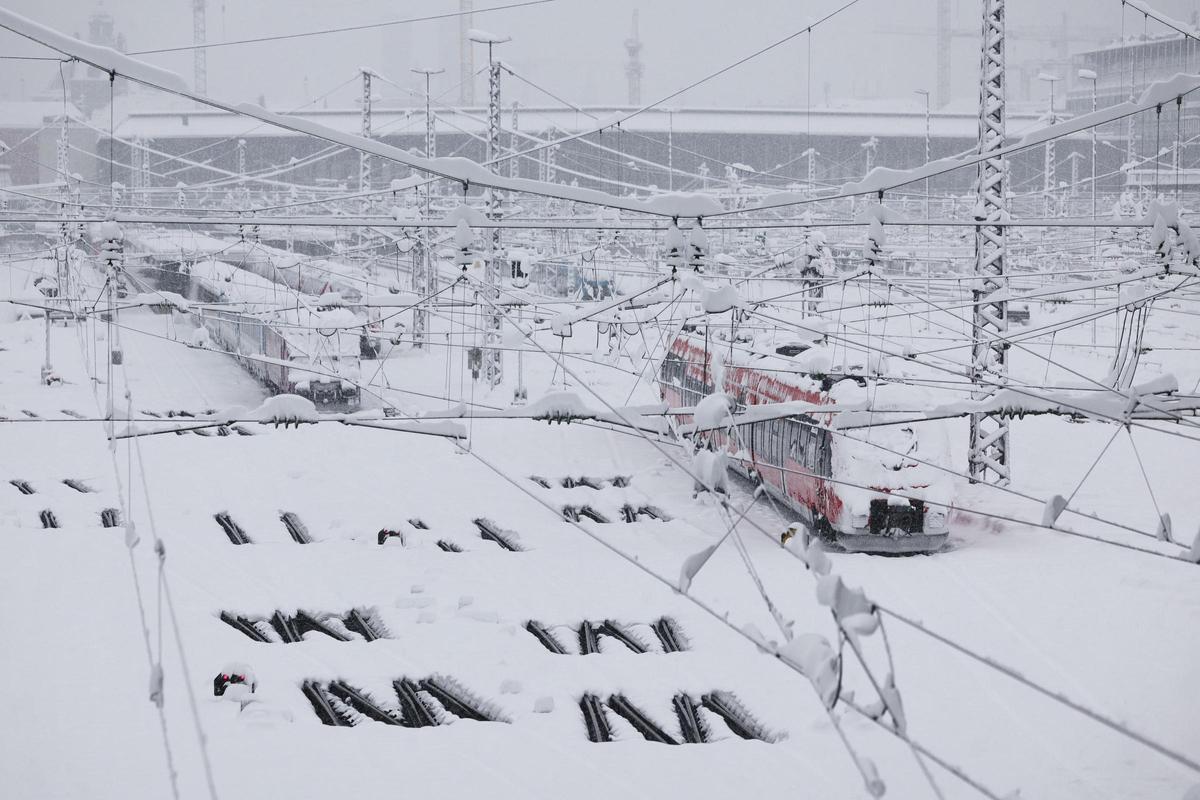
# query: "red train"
{"type": "Point", "coordinates": [863, 489]}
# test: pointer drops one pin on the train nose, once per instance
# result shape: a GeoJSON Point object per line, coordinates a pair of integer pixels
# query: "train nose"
{"type": "Point", "coordinates": [886, 518]}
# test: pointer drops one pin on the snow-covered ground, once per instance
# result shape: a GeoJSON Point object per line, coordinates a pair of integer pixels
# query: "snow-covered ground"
{"type": "Point", "coordinates": [1108, 627]}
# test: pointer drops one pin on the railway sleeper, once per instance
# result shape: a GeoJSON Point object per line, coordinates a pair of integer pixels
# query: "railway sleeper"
{"type": "Point", "coordinates": [726, 706]}
{"type": "Point", "coordinates": [631, 513]}
{"type": "Point", "coordinates": [588, 641]}
{"type": "Point", "coordinates": [457, 700]}
{"type": "Point", "coordinates": [244, 625]}
{"type": "Point", "coordinates": [415, 710]}
{"type": "Point", "coordinates": [669, 635]}
{"type": "Point", "coordinates": [691, 724]}
{"type": "Point", "coordinates": [543, 635]}
{"type": "Point", "coordinates": [594, 719]}
{"type": "Point", "coordinates": [323, 705]}
{"type": "Point", "coordinates": [491, 531]}
{"type": "Point", "coordinates": [295, 527]}
{"type": "Point", "coordinates": [308, 623]}
{"type": "Point", "coordinates": [364, 622]}
{"type": "Point", "coordinates": [616, 631]}
{"type": "Point", "coordinates": [286, 627]}
{"type": "Point", "coordinates": [579, 513]}
{"type": "Point", "coordinates": [571, 483]}
{"type": "Point", "coordinates": [363, 703]}
{"type": "Point", "coordinates": [621, 705]}
{"type": "Point", "coordinates": [231, 528]}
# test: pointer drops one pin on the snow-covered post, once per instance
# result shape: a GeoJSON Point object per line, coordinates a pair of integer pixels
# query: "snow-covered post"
{"type": "Point", "coordinates": [364, 158]}
{"type": "Point", "coordinates": [869, 147]}
{"type": "Point", "coordinates": [144, 169]}
{"type": "Point", "coordinates": [1049, 183]}
{"type": "Point", "coordinates": [552, 163]}
{"type": "Point", "coordinates": [243, 190]}
{"type": "Point", "coordinates": [988, 448]}
{"type": "Point", "coordinates": [49, 288]}
{"type": "Point", "coordinates": [514, 146]}
{"type": "Point", "coordinates": [493, 358]}
{"type": "Point", "coordinates": [62, 167]}
{"type": "Point", "coordinates": [670, 149]}
{"type": "Point", "coordinates": [811, 155]}
{"type": "Point", "coordinates": [112, 247]}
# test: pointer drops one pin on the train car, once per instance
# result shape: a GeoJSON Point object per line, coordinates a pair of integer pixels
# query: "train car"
{"type": "Point", "coordinates": [288, 351]}
{"type": "Point", "coordinates": [863, 489]}
{"type": "Point", "coordinates": [314, 277]}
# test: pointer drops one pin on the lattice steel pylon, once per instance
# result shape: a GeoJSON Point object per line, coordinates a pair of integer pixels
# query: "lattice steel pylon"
{"type": "Point", "coordinates": [424, 277]}
{"type": "Point", "coordinates": [514, 143]}
{"type": "Point", "coordinates": [988, 456]}
{"type": "Point", "coordinates": [63, 165]}
{"type": "Point", "coordinates": [493, 363]}
{"type": "Point", "coordinates": [364, 158]}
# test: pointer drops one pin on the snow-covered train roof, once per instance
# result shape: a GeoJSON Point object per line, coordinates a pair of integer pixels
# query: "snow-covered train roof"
{"type": "Point", "coordinates": [234, 284]}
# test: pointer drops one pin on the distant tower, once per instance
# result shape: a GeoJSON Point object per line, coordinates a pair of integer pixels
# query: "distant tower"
{"type": "Point", "coordinates": [943, 53]}
{"type": "Point", "coordinates": [199, 55]}
{"type": "Point", "coordinates": [466, 57]}
{"type": "Point", "coordinates": [90, 87]}
{"type": "Point", "coordinates": [634, 67]}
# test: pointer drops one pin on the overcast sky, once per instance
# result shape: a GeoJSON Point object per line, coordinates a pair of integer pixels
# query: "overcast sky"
{"type": "Point", "coordinates": [878, 49]}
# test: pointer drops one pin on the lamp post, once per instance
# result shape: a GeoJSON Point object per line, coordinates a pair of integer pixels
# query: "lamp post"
{"type": "Point", "coordinates": [1090, 75]}
{"type": "Point", "coordinates": [1048, 182]}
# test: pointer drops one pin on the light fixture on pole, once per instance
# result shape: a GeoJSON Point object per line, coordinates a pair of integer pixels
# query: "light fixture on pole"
{"type": "Point", "coordinates": [1090, 75]}
{"type": "Point", "coordinates": [1048, 184]}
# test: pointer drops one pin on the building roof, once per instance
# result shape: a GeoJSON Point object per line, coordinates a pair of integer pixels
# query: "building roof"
{"type": "Point", "coordinates": [33, 113]}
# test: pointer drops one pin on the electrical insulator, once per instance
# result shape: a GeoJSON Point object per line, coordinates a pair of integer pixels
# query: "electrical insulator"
{"type": "Point", "coordinates": [112, 243]}
{"type": "Point", "coordinates": [464, 237]}
{"type": "Point", "coordinates": [697, 248]}
{"type": "Point", "coordinates": [674, 247]}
